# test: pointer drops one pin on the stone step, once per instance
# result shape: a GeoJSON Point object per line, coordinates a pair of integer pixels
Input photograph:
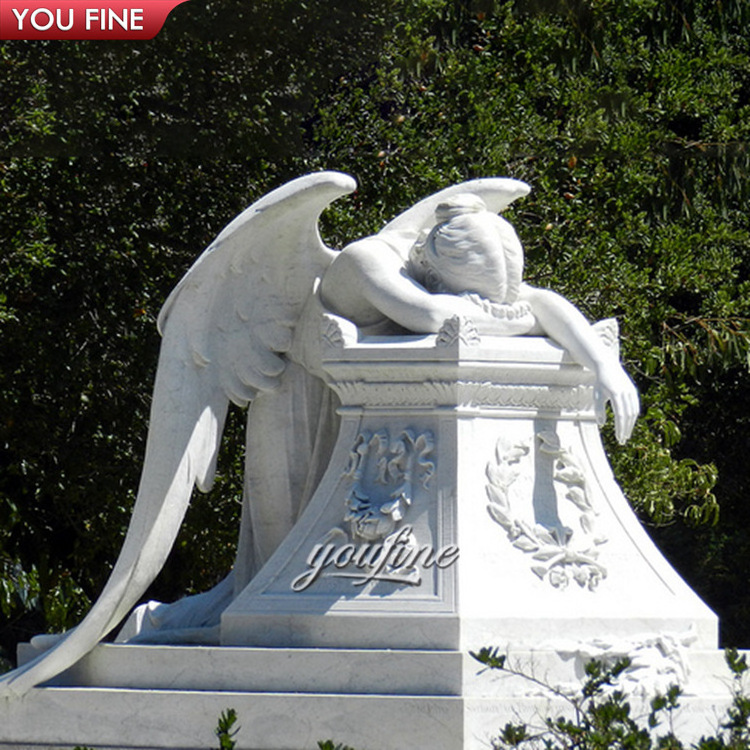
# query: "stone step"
{"type": "Point", "coordinates": [186, 720]}
{"type": "Point", "coordinates": [655, 664]}
{"type": "Point", "coordinates": [289, 699]}
{"type": "Point", "coordinates": [262, 670]}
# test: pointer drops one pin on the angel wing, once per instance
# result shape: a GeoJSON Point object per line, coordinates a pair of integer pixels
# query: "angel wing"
{"type": "Point", "coordinates": [225, 329]}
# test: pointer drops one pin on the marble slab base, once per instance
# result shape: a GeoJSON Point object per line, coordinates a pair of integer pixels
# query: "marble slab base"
{"type": "Point", "coordinates": [123, 696]}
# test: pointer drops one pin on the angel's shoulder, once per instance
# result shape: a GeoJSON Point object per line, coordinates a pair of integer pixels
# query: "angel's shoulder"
{"type": "Point", "coordinates": [370, 255]}
{"type": "Point", "coordinates": [356, 274]}
{"type": "Point", "coordinates": [374, 246]}
{"type": "Point", "coordinates": [353, 267]}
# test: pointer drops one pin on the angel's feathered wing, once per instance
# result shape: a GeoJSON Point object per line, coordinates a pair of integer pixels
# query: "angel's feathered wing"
{"type": "Point", "coordinates": [225, 329]}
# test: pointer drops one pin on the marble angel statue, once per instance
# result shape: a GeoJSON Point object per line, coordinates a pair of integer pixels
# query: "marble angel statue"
{"type": "Point", "coordinates": [243, 326]}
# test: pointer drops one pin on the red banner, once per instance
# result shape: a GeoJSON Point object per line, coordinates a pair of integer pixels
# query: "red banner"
{"type": "Point", "coordinates": [83, 19]}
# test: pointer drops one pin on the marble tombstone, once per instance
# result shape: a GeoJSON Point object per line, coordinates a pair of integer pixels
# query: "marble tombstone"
{"type": "Point", "coordinates": [423, 477]}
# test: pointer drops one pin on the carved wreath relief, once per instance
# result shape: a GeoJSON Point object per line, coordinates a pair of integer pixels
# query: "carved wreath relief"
{"type": "Point", "coordinates": [373, 544]}
{"type": "Point", "coordinates": [559, 553]}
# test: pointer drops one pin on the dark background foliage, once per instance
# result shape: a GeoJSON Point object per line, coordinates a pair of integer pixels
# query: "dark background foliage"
{"type": "Point", "coordinates": [120, 161]}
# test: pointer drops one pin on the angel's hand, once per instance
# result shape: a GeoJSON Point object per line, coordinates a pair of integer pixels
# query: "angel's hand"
{"type": "Point", "coordinates": [614, 385]}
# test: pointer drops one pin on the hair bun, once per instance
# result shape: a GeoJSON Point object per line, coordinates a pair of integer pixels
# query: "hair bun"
{"type": "Point", "coordinates": [458, 205]}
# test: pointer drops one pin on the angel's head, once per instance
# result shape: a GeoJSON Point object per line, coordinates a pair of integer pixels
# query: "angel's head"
{"type": "Point", "coordinates": [470, 249]}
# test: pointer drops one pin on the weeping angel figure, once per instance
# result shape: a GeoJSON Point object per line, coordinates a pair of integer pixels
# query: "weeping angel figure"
{"type": "Point", "coordinates": [243, 325]}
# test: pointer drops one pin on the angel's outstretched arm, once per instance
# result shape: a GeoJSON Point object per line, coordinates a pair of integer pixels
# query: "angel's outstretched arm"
{"type": "Point", "coordinates": [562, 321]}
{"type": "Point", "coordinates": [368, 282]}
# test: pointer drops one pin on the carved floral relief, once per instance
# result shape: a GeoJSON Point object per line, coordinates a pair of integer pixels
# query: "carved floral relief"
{"type": "Point", "coordinates": [383, 473]}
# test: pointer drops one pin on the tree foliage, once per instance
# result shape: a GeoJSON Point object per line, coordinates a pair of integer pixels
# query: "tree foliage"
{"type": "Point", "coordinates": [121, 160]}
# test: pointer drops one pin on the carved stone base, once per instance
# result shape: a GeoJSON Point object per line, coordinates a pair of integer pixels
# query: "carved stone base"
{"type": "Point", "coordinates": [468, 503]}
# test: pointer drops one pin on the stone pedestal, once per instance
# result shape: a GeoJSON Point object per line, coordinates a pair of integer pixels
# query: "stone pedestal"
{"type": "Point", "coordinates": [468, 503]}
{"type": "Point", "coordinates": [471, 474]}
